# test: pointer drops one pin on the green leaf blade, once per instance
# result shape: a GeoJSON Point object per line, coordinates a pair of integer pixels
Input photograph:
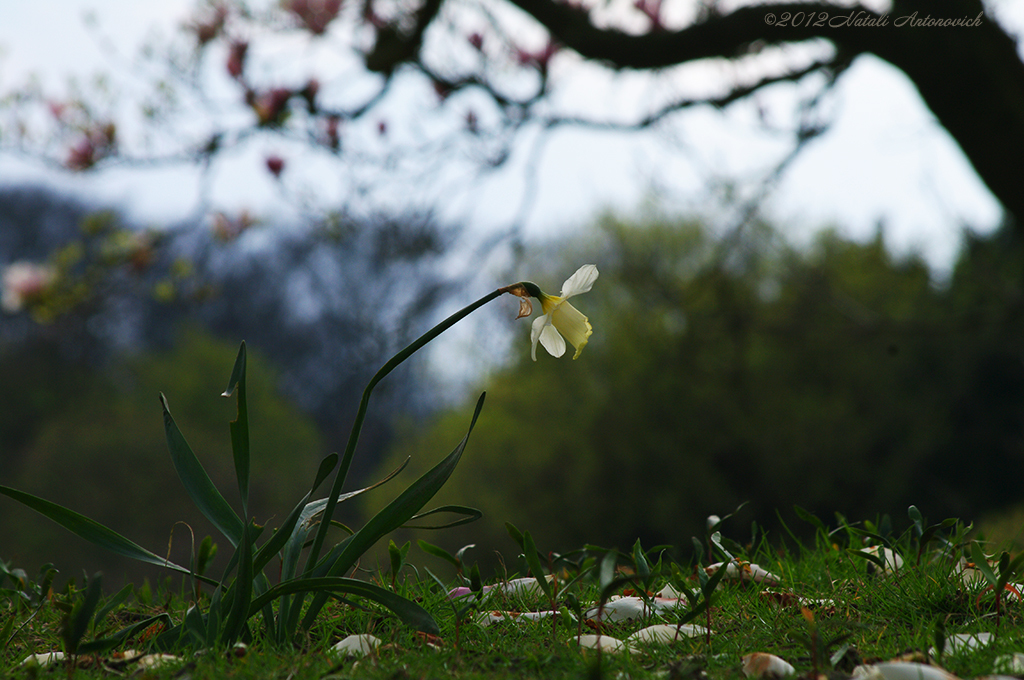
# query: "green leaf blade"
{"type": "Point", "coordinates": [240, 428]}
{"type": "Point", "coordinates": [198, 484]}
{"type": "Point", "coordinates": [90, 530]}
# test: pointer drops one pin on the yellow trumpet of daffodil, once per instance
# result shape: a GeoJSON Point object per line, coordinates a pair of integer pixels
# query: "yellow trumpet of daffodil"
{"type": "Point", "coordinates": [561, 321]}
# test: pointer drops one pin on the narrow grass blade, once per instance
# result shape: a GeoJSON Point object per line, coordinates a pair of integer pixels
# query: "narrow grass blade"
{"type": "Point", "coordinates": [533, 559]}
{"type": "Point", "coordinates": [106, 644]}
{"type": "Point", "coordinates": [242, 590]}
{"type": "Point", "coordinates": [117, 600]}
{"type": "Point", "coordinates": [981, 564]}
{"type": "Point", "coordinates": [195, 624]}
{"type": "Point", "coordinates": [240, 429]}
{"type": "Point", "coordinates": [409, 612]}
{"type": "Point", "coordinates": [77, 624]}
{"type": "Point", "coordinates": [440, 552]}
{"type": "Point", "coordinates": [213, 617]}
{"type": "Point", "coordinates": [90, 530]}
{"type": "Point", "coordinates": [197, 483]}
{"type": "Point", "coordinates": [468, 515]}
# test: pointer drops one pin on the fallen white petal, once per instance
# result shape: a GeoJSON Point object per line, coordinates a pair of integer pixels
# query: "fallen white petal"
{"type": "Point", "coordinates": [521, 586]}
{"type": "Point", "coordinates": [43, 659]}
{"type": "Point", "coordinates": [964, 642]}
{"type": "Point", "coordinates": [1010, 664]}
{"type": "Point", "coordinates": [356, 645]}
{"type": "Point", "coordinates": [866, 672]}
{"type": "Point", "coordinates": [762, 665]}
{"type": "Point", "coordinates": [492, 617]}
{"type": "Point", "coordinates": [890, 559]}
{"type": "Point", "coordinates": [158, 660]}
{"type": "Point", "coordinates": [740, 570]}
{"type": "Point", "coordinates": [670, 593]}
{"type": "Point", "coordinates": [664, 633]}
{"type": "Point", "coordinates": [907, 670]}
{"type": "Point", "coordinates": [631, 607]}
{"type": "Point", "coordinates": [602, 642]}
{"type": "Point", "coordinates": [618, 609]}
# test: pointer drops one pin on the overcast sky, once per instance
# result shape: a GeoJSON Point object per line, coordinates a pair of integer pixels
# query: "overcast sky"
{"type": "Point", "coordinates": [885, 158]}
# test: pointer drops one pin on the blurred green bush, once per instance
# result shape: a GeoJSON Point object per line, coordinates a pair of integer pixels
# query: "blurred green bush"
{"type": "Point", "coordinates": [93, 440]}
{"type": "Point", "coordinates": [722, 370]}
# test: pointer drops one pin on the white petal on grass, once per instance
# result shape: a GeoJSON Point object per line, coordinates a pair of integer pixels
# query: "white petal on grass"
{"type": "Point", "coordinates": [665, 634]}
{"type": "Point", "coordinates": [602, 642]}
{"type": "Point", "coordinates": [521, 587]}
{"type": "Point", "coordinates": [631, 607]}
{"type": "Point", "coordinates": [670, 593]}
{"type": "Point", "coordinates": [905, 670]}
{"type": "Point", "coordinates": [1010, 664]}
{"type": "Point", "coordinates": [890, 559]}
{"type": "Point", "coordinates": [158, 660]}
{"type": "Point", "coordinates": [43, 659]}
{"type": "Point", "coordinates": [492, 617]}
{"type": "Point", "coordinates": [741, 570]}
{"type": "Point", "coordinates": [356, 645]}
{"type": "Point", "coordinates": [762, 665]}
{"type": "Point", "coordinates": [965, 642]}
{"type": "Point", "coordinates": [618, 609]}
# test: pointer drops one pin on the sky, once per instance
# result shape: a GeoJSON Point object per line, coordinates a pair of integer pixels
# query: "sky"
{"type": "Point", "coordinates": [884, 159]}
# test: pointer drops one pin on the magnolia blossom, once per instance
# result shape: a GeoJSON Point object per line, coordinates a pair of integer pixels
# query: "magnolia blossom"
{"type": "Point", "coordinates": [24, 282]}
{"type": "Point", "coordinates": [561, 318]}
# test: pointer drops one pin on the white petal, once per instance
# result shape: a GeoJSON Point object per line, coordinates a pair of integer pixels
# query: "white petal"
{"type": "Point", "coordinates": [906, 670]}
{"type": "Point", "coordinates": [580, 282]}
{"type": "Point", "coordinates": [602, 642]}
{"type": "Point", "coordinates": [663, 634]}
{"type": "Point", "coordinates": [492, 617]}
{"type": "Point", "coordinates": [965, 642]}
{"type": "Point", "coordinates": [43, 659]}
{"type": "Point", "coordinates": [552, 341]}
{"type": "Point", "coordinates": [620, 609]}
{"type": "Point", "coordinates": [761, 665]}
{"type": "Point", "coordinates": [741, 570]}
{"type": "Point", "coordinates": [890, 559]}
{"type": "Point", "coordinates": [1010, 664]}
{"type": "Point", "coordinates": [538, 325]}
{"type": "Point", "coordinates": [523, 587]}
{"type": "Point", "coordinates": [159, 660]}
{"type": "Point", "coordinates": [356, 645]}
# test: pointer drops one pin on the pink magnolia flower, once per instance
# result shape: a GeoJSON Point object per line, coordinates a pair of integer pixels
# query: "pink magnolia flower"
{"type": "Point", "coordinates": [315, 15]}
{"type": "Point", "coordinates": [24, 283]}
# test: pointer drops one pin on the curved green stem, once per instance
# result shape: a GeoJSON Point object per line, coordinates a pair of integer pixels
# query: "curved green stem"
{"type": "Point", "coordinates": [346, 461]}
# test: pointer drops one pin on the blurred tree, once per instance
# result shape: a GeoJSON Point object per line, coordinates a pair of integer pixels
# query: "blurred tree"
{"type": "Point", "coordinates": [94, 442]}
{"type": "Point", "coordinates": [328, 310]}
{"type": "Point", "coordinates": [721, 371]}
{"type": "Point", "coordinates": [405, 101]}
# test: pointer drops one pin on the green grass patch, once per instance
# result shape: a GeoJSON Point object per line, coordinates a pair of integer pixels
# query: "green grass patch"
{"type": "Point", "coordinates": [830, 611]}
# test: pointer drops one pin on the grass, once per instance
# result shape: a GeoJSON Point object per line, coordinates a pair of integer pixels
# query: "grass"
{"type": "Point", "coordinates": [850, 616]}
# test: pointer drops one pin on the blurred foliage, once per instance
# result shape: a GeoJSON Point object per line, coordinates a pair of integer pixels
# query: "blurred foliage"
{"type": "Point", "coordinates": [93, 440]}
{"type": "Point", "coordinates": [721, 370]}
{"type": "Point", "coordinates": [128, 289]}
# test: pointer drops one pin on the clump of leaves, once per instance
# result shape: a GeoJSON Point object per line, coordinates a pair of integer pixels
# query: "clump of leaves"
{"type": "Point", "coordinates": [244, 590]}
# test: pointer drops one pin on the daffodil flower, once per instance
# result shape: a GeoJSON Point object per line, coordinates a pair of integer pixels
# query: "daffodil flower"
{"type": "Point", "coordinates": [560, 318]}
